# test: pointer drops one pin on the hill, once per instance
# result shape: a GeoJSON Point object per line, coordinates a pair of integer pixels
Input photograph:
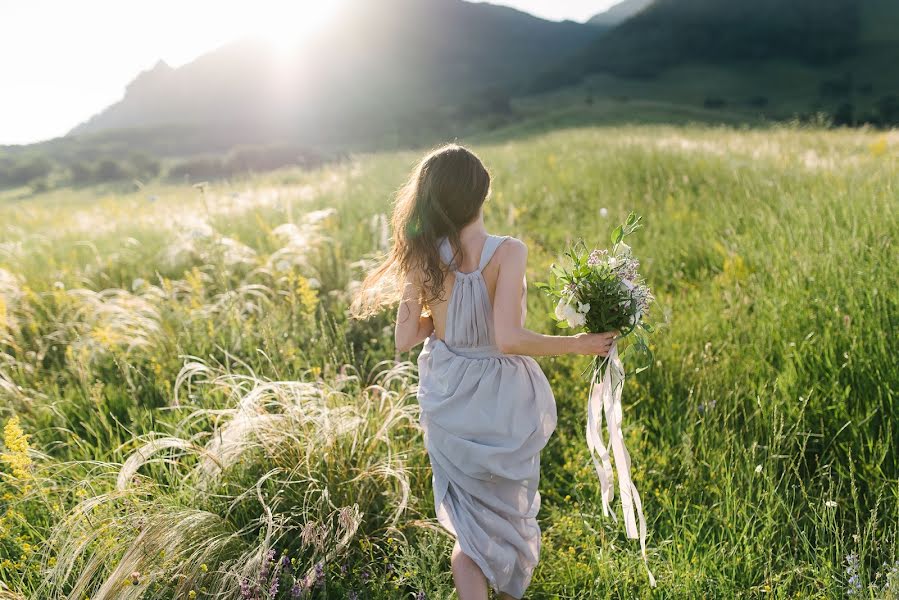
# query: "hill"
{"type": "Point", "coordinates": [620, 12]}
{"type": "Point", "coordinates": [671, 32]}
{"type": "Point", "coordinates": [382, 68]}
{"type": "Point", "coordinates": [769, 59]}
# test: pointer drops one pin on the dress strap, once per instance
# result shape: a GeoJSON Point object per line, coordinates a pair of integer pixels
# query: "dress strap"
{"type": "Point", "coordinates": [490, 246]}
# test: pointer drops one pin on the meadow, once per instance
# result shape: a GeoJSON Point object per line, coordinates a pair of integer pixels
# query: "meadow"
{"type": "Point", "coordinates": [189, 413]}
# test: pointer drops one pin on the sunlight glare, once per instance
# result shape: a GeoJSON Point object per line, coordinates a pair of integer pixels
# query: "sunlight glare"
{"type": "Point", "coordinates": [285, 25]}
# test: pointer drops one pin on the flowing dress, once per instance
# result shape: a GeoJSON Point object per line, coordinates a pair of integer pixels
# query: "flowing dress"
{"type": "Point", "coordinates": [486, 416]}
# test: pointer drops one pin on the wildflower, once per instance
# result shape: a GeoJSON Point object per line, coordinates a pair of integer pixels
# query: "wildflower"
{"type": "Point", "coordinates": [603, 212]}
{"type": "Point", "coordinates": [297, 590]}
{"type": "Point", "coordinates": [420, 596]}
{"type": "Point", "coordinates": [853, 583]}
{"type": "Point", "coordinates": [319, 574]}
{"type": "Point", "coordinates": [830, 504]}
{"type": "Point", "coordinates": [567, 312]}
{"type": "Point", "coordinates": [758, 468]}
{"type": "Point", "coordinates": [191, 595]}
{"type": "Point", "coordinates": [583, 308]}
{"type": "Point", "coordinates": [16, 442]}
{"type": "Point", "coordinates": [597, 257]}
{"type": "Point", "coordinates": [245, 591]}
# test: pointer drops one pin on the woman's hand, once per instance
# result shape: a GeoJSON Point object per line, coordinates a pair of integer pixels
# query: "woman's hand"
{"type": "Point", "coordinates": [594, 343]}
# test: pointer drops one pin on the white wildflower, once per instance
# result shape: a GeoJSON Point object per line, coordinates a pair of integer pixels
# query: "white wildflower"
{"type": "Point", "coordinates": [583, 308]}
{"type": "Point", "coordinates": [562, 309]}
{"type": "Point", "coordinates": [576, 320]}
{"type": "Point", "coordinates": [603, 212]}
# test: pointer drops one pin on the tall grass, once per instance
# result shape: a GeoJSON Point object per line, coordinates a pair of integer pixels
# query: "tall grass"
{"type": "Point", "coordinates": [204, 421]}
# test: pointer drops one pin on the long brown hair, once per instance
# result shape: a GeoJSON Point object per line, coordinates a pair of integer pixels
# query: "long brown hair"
{"type": "Point", "coordinates": [444, 193]}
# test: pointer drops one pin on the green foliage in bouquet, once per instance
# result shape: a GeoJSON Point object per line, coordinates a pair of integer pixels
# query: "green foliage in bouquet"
{"type": "Point", "coordinates": [602, 290]}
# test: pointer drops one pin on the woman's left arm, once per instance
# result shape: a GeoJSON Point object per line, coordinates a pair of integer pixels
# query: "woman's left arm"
{"type": "Point", "coordinates": [411, 327]}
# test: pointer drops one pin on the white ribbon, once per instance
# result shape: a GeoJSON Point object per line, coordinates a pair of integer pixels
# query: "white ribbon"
{"type": "Point", "coordinates": [605, 396]}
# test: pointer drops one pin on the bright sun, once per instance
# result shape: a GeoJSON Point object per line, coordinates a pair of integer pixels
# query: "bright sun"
{"type": "Point", "coordinates": [286, 24]}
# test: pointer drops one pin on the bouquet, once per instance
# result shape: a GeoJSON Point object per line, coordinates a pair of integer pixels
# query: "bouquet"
{"type": "Point", "coordinates": [598, 291]}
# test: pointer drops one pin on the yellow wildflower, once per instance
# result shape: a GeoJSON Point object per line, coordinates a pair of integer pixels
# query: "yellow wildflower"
{"type": "Point", "coordinates": [16, 443]}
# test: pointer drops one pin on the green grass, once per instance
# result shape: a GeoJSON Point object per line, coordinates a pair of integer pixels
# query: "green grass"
{"type": "Point", "coordinates": [219, 404]}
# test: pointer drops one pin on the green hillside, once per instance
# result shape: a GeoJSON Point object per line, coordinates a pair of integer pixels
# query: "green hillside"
{"type": "Point", "coordinates": [765, 61]}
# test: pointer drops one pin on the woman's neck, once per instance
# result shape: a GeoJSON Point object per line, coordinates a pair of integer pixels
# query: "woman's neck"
{"type": "Point", "coordinates": [473, 231]}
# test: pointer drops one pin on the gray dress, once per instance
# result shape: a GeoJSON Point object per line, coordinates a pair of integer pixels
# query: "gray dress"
{"type": "Point", "coordinates": [486, 416]}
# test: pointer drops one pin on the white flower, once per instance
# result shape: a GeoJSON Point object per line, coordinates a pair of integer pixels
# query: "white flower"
{"type": "Point", "coordinates": [567, 312]}
{"type": "Point", "coordinates": [561, 309]}
{"type": "Point", "coordinates": [758, 468]}
{"type": "Point", "coordinates": [830, 504]}
{"type": "Point", "coordinates": [583, 308]}
{"type": "Point", "coordinates": [613, 262]}
{"type": "Point", "coordinates": [576, 320]}
{"type": "Point", "coordinates": [604, 212]}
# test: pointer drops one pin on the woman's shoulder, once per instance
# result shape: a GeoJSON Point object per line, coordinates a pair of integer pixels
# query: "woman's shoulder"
{"type": "Point", "coordinates": [511, 244]}
{"type": "Point", "coordinates": [511, 248]}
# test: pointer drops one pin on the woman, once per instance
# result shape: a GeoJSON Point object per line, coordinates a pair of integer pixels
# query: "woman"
{"type": "Point", "coordinates": [486, 407]}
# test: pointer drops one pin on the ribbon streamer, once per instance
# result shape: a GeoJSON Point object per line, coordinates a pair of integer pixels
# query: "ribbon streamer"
{"type": "Point", "coordinates": [605, 397]}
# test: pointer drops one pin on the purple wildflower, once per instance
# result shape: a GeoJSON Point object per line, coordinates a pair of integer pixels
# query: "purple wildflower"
{"type": "Point", "coordinates": [245, 591]}
{"type": "Point", "coordinates": [854, 583]}
{"type": "Point", "coordinates": [597, 257]}
{"type": "Point", "coordinates": [420, 596]}
{"type": "Point", "coordinates": [297, 590]}
{"type": "Point", "coordinates": [319, 574]}
{"type": "Point", "coordinates": [267, 565]}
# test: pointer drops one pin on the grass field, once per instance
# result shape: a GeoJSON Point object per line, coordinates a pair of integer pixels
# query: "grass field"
{"type": "Point", "coordinates": [189, 413]}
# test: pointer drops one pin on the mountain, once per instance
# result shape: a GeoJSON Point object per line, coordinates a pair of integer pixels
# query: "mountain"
{"type": "Point", "coordinates": [619, 13]}
{"type": "Point", "coordinates": [383, 67]}
{"type": "Point", "coordinates": [670, 32]}
{"type": "Point", "coordinates": [749, 61]}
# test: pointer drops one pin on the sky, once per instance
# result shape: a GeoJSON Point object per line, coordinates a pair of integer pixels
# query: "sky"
{"type": "Point", "coordinates": [62, 61]}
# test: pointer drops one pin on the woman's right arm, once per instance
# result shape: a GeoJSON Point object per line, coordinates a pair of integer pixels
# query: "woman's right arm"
{"type": "Point", "coordinates": [511, 336]}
